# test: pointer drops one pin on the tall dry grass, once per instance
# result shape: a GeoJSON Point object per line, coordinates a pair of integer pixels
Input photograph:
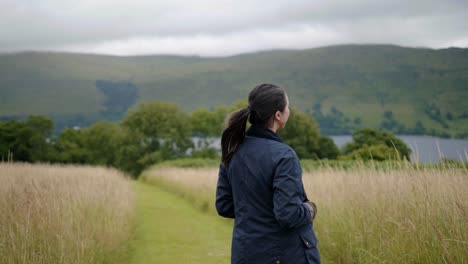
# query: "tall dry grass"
{"type": "Point", "coordinates": [195, 184]}
{"type": "Point", "coordinates": [367, 214]}
{"type": "Point", "coordinates": [63, 214]}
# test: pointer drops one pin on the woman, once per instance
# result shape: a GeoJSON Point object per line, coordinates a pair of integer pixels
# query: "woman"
{"type": "Point", "coordinates": [260, 185]}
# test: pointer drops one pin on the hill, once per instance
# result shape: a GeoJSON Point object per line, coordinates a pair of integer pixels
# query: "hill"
{"type": "Point", "coordinates": [398, 89]}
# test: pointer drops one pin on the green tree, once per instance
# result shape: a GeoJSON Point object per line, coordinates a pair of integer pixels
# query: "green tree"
{"type": "Point", "coordinates": [163, 130]}
{"type": "Point", "coordinates": [327, 148]}
{"type": "Point", "coordinates": [131, 154]}
{"type": "Point", "coordinates": [205, 122]}
{"type": "Point", "coordinates": [42, 125]}
{"type": "Point", "coordinates": [211, 123]}
{"type": "Point", "coordinates": [16, 138]}
{"type": "Point", "coordinates": [102, 141]}
{"type": "Point", "coordinates": [69, 147]}
{"type": "Point", "coordinates": [371, 141]}
{"type": "Point", "coordinates": [42, 128]}
{"type": "Point", "coordinates": [26, 140]}
{"type": "Point", "coordinates": [301, 133]}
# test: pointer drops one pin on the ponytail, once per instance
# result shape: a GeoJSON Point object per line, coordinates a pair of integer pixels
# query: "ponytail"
{"type": "Point", "coordinates": [264, 100]}
{"type": "Point", "coordinates": [234, 134]}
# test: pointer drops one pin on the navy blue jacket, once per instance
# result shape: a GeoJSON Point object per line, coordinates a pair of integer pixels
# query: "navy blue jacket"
{"type": "Point", "coordinates": [261, 188]}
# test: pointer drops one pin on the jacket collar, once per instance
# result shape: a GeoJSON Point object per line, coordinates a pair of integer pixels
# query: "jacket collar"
{"type": "Point", "coordinates": [256, 131]}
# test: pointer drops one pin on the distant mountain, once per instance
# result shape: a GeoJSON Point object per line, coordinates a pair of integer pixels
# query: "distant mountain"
{"type": "Point", "coordinates": [402, 90]}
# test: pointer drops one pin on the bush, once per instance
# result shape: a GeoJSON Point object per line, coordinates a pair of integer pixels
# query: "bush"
{"type": "Point", "coordinates": [327, 148]}
{"type": "Point", "coordinates": [373, 144]}
{"type": "Point", "coordinates": [190, 163]}
{"type": "Point", "coordinates": [301, 133]}
{"type": "Point", "coordinates": [375, 152]}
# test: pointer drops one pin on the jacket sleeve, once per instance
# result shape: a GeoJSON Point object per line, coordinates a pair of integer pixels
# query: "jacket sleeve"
{"type": "Point", "coordinates": [288, 205]}
{"type": "Point", "coordinates": [224, 201]}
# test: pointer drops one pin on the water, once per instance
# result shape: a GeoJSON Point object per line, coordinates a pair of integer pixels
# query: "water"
{"type": "Point", "coordinates": [425, 149]}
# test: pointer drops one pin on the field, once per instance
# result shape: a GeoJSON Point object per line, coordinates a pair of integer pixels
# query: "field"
{"type": "Point", "coordinates": [170, 230]}
{"type": "Point", "coordinates": [84, 214]}
{"type": "Point", "coordinates": [399, 214]}
{"type": "Point", "coordinates": [391, 213]}
{"type": "Point", "coordinates": [64, 214]}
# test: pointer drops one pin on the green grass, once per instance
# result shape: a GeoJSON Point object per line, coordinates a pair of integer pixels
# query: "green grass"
{"type": "Point", "coordinates": [367, 213]}
{"type": "Point", "coordinates": [170, 230]}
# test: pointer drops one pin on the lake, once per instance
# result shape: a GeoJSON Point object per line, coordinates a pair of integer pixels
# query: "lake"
{"type": "Point", "coordinates": [425, 149]}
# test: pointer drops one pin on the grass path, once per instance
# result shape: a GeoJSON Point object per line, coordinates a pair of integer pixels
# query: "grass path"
{"type": "Point", "coordinates": [170, 230]}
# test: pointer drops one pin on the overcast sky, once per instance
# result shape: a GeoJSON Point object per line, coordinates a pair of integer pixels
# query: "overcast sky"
{"type": "Point", "coordinates": [222, 27]}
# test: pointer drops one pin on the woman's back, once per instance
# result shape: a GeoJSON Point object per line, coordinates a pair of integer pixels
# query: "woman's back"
{"type": "Point", "coordinates": [260, 185]}
{"type": "Point", "coordinates": [263, 181]}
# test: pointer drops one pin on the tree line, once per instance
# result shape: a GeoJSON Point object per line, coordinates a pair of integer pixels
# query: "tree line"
{"type": "Point", "coordinates": [153, 132]}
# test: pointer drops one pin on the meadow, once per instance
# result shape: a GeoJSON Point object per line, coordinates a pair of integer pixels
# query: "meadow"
{"type": "Point", "coordinates": [64, 214]}
{"type": "Point", "coordinates": [389, 212]}
{"type": "Point", "coordinates": [396, 213]}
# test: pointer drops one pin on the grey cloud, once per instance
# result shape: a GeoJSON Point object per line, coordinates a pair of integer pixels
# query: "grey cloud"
{"type": "Point", "coordinates": [57, 24]}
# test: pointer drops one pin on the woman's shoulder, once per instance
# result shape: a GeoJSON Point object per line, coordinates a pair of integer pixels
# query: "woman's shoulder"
{"type": "Point", "coordinates": [268, 147]}
{"type": "Point", "coordinates": [289, 152]}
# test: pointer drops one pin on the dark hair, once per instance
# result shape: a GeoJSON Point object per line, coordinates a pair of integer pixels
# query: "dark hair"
{"type": "Point", "coordinates": [264, 101]}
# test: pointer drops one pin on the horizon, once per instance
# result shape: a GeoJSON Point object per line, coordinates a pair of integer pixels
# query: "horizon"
{"type": "Point", "coordinates": [226, 56]}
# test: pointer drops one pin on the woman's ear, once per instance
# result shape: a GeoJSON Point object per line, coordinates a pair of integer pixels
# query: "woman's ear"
{"type": "Point", "coordinates": [278, 115]}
